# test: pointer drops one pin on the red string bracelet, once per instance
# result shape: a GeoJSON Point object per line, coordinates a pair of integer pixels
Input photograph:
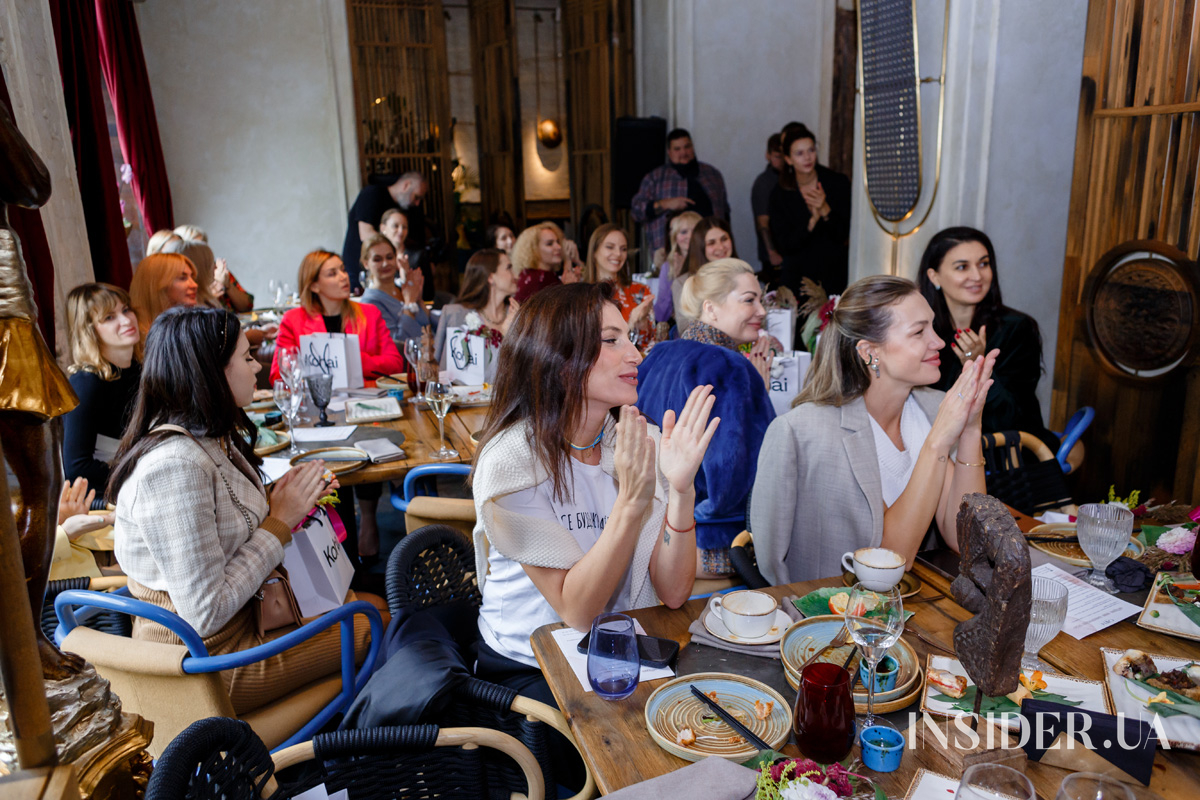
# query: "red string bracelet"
{"type": "Point", "coordinates": [673, 529]}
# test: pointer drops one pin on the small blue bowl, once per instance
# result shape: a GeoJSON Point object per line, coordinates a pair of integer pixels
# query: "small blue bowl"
{"type": "Point", "coordinates": [886, 672]}
{"type": "Point", "coordinates": [882, 748]}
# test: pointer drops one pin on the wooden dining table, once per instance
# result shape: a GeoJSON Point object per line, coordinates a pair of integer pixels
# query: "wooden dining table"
{"type": "Point", "coordinates": [419, 430]}
{"type": "Point", "coordinates": [615, 742]}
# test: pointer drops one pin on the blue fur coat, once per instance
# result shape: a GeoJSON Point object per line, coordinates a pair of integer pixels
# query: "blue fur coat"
{"type": "Point", "coordinates": [666, 378]}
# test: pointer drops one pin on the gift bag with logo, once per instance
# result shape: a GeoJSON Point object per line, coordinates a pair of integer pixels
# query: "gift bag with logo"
{"type": "Point", "coordinates": [787, 378]}
{"type": "Point", "coordinates": [318, 567]}
{"type": "Point", "coordinates": [465, 358]}
{"type": "Point", "coordinates": [781, 323]}
{"type": "Point", "coordinates": [335, 353]}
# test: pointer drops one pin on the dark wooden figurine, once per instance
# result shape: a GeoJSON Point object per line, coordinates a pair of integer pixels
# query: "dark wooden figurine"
{"type": "Point", "coordinates": [994, 584]}
{"type": "Point", "coordinates": [34, 392]}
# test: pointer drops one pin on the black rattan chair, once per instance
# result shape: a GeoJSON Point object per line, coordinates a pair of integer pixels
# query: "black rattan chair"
{"type": "Point", "coordinates": [216, 758]}
{"type": "Point", "coordinates": [113, 622]}
{"type": "Point", "coordinates": [432, 566]}
{"type": "Point", "coordinates": [1030, 485]}
{"type": "Point", "coordinates": [741, 554]}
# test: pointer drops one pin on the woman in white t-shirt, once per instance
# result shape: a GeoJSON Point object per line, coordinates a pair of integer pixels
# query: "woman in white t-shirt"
{"type": "Point", "coordinates": [868, 456]}
{"type": "Point", "coordinates": [583, 505]}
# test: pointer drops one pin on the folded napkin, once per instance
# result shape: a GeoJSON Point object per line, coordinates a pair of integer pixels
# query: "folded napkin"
{"type": "Point", "coordinates": [708, 779]}
{"type": "Point", "coordinates": [700, 634]}
{"type": "Point", "coordinates": [1129, 575]}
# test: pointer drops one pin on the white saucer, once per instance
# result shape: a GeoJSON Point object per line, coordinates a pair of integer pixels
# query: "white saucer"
{"type": "Point", "coordinates": [716, 626]}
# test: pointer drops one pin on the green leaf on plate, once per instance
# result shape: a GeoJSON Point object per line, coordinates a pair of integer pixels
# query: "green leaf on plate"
{"type": "Point", "coordinates": [998, 705]}
{"type": "Point", "coordinates": [1182, 703]}
{"type": "Point", "coordinates": [816, 603]}
{"type": "Point", "coordinates": [1189, 610]}
{"type": "Point", "coordinates": [763, 758]}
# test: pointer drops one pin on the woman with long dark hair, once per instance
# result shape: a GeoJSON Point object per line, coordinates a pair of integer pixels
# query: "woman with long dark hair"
{"type": "Point", "coordinates": [195, 530]}
{"type": "Point", "coordinates": [712, 240]}
{"type": "Point", "coordinates": [484, 301]}
{"type": "Point", "coordinates": [809, 216]}
{"type": "Point", "coordinates": [869, 456]}
{"type": "Point", "coordinates": [583, 505]}
{"type": "Point", "coordinates": [959, 279]}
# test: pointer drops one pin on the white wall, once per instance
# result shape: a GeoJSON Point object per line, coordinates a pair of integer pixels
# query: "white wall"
{"type": "Point", "coordinates": [733, 74]}
{"type": "Point", "coordinates": [1012, 94]}
{"type": "Point", "coordinates": [251, 101]}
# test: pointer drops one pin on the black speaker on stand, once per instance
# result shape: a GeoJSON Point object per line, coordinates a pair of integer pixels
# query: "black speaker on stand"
{"type": "Point", "coordinates": [639, 146]}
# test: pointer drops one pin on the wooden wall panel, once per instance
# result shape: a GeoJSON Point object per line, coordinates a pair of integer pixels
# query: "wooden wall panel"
{"type": "Point", "coordinates": [402, 95]}
{"type": "Point", "coordinates": [1136, 177]}
{"type": "Point", "coordinates": [497, 108]}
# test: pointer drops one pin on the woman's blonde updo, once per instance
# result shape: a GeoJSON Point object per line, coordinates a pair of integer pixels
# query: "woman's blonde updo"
{"type": "Point", "coordinates": [713, 282]}
{"type": "Point", "coordinates": [863, 313]}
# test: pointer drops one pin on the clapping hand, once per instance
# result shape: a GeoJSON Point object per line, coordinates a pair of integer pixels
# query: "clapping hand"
{"type": "Point", "coordinates": [968, 344]}
{"type": "Point", "coordinates": [641, 312]}
{"type": "Point", "coordinates": [685, 441]}
{"type": "Point", "coordinates": [75, 499]}
{"type": "Point", "coordinates": [761, 357]}
{"type": "Point", "coordinates": [633, 458]}
{"type": "Point", "coordinates": [961, 409]}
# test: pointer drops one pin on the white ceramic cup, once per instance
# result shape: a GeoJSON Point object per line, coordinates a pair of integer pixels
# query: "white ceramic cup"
{"type": "Point", "coordinates": [877, 568]}
{"type": "Point", "coordinates": [747, 614]}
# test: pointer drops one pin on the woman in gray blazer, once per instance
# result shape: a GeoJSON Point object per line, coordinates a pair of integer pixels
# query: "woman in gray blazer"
{"type": "Point", "coordinates": [864, 458]}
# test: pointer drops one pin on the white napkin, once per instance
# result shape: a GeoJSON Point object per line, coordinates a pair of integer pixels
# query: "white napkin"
{"type": "Point", "coordinates": [568, 639]}
{"type": "Point", "coordinates": [335, 434]}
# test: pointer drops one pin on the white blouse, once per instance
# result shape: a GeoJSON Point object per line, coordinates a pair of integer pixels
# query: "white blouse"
{"type": "Point", "coordinates": [896, 465]}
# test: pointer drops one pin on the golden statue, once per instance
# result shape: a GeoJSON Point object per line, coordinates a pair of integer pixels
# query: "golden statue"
{"type": "Point", "coordinates": [34, 392]}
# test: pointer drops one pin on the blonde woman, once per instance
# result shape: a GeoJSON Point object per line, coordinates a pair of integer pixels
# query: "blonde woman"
{"type": "Point", "coordinates": [106, 363]}
{"type": "Point", "coordinates": [162, 281]}
{"type": "Point", "coordinates": [725, 300]}
{"type": "Point", "coordinates": [538, 254]}
{"type": "Point", "coordinates": [867, 455]}
{"type": "Point", "coordinates": [218, 286]}
{"type": "Point", "coordinates": [159, 239]}
{"type": "Point", "coordinates": [671, 262]}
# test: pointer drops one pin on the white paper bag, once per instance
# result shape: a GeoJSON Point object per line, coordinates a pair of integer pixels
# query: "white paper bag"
{"type": "Point", "coordinates": [787, 378]}
{"type": "Point", "coordinates": [781, 323]}
{"type": "Point", "coordinates": [317, 566]}
{"type": "Point", "coordinates": [335, 353]}
{"type": "Point", "coordinates": [464, 359]}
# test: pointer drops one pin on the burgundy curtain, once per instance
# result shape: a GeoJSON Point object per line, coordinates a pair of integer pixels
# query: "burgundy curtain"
{"type": "Point", "coordinates": [78, 55]}
{"type": "Point", "coordinates": [124, 67]}
{"type": "Point", "coordinates": [27, 224]}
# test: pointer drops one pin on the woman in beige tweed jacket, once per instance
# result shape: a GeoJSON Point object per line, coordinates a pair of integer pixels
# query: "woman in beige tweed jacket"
{"type": "Point", "coordinates": [820, 489]}
{"type": "Point", "coordinates": [195, 530]}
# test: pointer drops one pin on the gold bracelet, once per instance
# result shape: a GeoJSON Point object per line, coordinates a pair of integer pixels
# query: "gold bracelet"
{"type": "Point", "coordinates": [969, 464]}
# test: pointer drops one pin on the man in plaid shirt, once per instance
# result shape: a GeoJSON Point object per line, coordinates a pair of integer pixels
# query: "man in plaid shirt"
{"type": "Point", "coordinates": [682, 183]}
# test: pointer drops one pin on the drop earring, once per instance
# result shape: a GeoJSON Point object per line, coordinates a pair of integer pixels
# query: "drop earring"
{"type": "Point", "coordinates": [875, 365]}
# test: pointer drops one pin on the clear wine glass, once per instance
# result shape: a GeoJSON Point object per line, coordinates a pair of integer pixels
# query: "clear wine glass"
{"type": "Point", "coordinates": [1092, 786]}
{"type": "Point", "coordinates": [613, 666]}
{"type": "Point", "coordinates": [272, 290]}
{"type": "Point", "coordinates": [994, 782]}
{"type": "Point", "coordinates": [440, 397]}
{"type": "Point", "coordinates": [292, 371]}
{"type": "Point", "coordinates": [1047, 614]}
{"type": "Point", "coordinates": [413, 354]}
{"type": "Point", "coordinates": [1104, 531]}
{"type": "Point", "coordinates": [875, 621]}
{"type": "Point", "coordinates": [288, 401]}
{"type": "Point", "coordinates": [320, 386]}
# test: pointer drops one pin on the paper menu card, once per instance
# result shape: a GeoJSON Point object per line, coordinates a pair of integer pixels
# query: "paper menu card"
{"type": "Point", "coordinates": [335, 433]}
{"type": "Point", "coordinates": [568, 639]}
{"type": "Point", "coordinates": [1088, 609]}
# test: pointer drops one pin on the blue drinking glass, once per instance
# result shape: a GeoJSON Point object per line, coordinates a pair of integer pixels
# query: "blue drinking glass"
{"type": "Point", "coordinates": [613, 656]}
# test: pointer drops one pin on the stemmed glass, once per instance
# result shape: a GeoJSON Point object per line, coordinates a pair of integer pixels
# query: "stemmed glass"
{"type": "Point", "coordinates": [320, 386]}
{"type": "Point", "coordinates": [288, 401]}
{"type": "Point", "coordinates": [1047, 614]}
{"type": "Point", "coordinates": [291, 370]}
{"type": "Point", "coordinates": [440, 396]}
{"type": "Point", "coordinates": [1092, 786]}
{"type": "Point", "coordinates": [874, 634]}
{"type": "Point", "coordinates": [1104, 532]}
{"type": "Point", "coordinates": [612, 665]}
{"type": "Point", "coordinates": [993, 782]}
{"type": "Point", "coordinates": [413, 354]}
{"type": "Point", "coordinates": [273, 289]}
{"type": "Point", "coordinates": [823, 720]}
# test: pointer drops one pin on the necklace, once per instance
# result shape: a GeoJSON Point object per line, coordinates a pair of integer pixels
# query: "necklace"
{"type": "Point", "coordinates": [595, 442]}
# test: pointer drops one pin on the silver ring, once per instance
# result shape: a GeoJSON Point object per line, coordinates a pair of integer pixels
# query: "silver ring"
{"type": "Point", "coordinates": [960, 396]}
{"type": "Point", "coordinates": [968, 354]}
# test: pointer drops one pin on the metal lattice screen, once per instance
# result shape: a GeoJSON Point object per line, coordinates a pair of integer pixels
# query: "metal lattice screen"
{"type": "Point", "coordinates": [891, 114]}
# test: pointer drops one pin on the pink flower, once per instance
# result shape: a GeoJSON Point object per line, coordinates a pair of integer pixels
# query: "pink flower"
{"type": "Point", "coordinates": [1179, 541]}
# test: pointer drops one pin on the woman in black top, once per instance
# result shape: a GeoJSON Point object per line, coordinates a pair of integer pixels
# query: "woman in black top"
{"type": "Point", "coordinates": [958, 277]}
{"type": "Point", "coordinates": [106, 354]}
{"type": "Point", "coordinates": [809, 214]}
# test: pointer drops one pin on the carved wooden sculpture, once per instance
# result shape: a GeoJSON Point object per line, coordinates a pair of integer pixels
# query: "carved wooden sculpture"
{"type": "Point", "coordinates": [993, 583]}
{"type": "Point", "coordinates": [34, 392]}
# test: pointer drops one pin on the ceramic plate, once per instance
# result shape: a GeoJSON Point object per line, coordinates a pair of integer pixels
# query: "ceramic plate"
{"type": "Point", "coordinates": [885, 702]}
{"type": "Point", "coordinates": [283, 441]}
{"type": "Point", "coordinates": [1183, 731]}
{"type": "Point", "coordinates": [1161, 614]}
{"type": "Point", "coordinates": [475, 437]}
{"type": "Point", "coordinates": [1071, 552]}
{"type": "Point", "coordinates": [716, 626]}
{"type": "Point", "coordinates": [398, 380]}
{"type": "Point", "coordinates": [477, 395]}
{"type": "Point", "coordinates": [1090, 694]}
{"type": "Point", "coordinates": [261, 405]}
{"type": "Point", "coordinates": [673, 707]}
{"type": "Point", "coordinates": [928, 785]}
{"type": "Point", "coordinates": [338, 460]}
{"type": "Point", "coordinates": [910, 584]}
{"type": "Point", "coordinates": [806, 637]}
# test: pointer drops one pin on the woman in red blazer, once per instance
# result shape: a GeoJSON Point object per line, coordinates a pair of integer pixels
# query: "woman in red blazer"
{"type": "Point", "coordinates": [325, 307]}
